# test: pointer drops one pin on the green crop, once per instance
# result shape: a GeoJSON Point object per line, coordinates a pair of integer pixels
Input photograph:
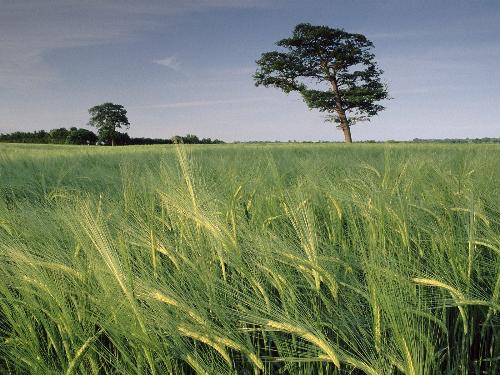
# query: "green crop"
{"type": "Point", "coordinates": [250, 259]}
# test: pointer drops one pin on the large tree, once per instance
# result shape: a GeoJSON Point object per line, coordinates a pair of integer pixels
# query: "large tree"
{"type": "Point", "coordinates": [108, 117]}
{"type": "Point", "coordinates": [333, 70]}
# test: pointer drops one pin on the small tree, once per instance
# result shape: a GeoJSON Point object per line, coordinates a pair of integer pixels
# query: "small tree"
{"type": "Point", "coordinates": [107, 118]}
{"type": "Point", "coordinates": [333, 70]}
{"type": "Point", "coordinates": [190, 139]}
{"type": "Point", "coordinates": [176, 139]}
{"type": "Point", "coordinates": [58, 135]}
{"type": "Point", "coordinates": [80, 137]}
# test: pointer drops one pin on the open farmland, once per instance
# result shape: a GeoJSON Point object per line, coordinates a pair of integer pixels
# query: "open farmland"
{"type": "Point", "coordinates": [249, 259]}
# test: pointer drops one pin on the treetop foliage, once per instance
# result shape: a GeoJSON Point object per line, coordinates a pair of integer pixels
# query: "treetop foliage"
{"type": "Point", "coordinates": [108, 116]}
{"type": "Point", "coordinates": [332, 69]}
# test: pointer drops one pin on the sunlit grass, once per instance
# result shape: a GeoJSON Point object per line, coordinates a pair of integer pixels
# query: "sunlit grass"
{"type": "Point", "coordinates": [248, 259]}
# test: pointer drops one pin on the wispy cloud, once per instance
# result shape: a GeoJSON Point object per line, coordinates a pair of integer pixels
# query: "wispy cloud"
{"type": "Point", "coordinates": [206, 103]}
{"type": "Point", "coordinates": [31, 29]}
{"type": "Point", "coordinates": [170, 62]}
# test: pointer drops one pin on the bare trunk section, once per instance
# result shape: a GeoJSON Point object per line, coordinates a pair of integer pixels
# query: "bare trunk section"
{"type": "Point", "coordinates": [344, 124]}
{"type": "Point", "coordinates": [347, 134]}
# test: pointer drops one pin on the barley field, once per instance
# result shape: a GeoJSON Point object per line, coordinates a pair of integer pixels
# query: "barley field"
{"type": "Point", "coordinates": [250, 259]}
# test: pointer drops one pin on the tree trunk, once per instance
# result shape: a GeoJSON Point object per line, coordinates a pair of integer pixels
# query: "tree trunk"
{"type": "Point", "coordinates": [112, 141]}
{"type": "Point", "coordinates": [344, 124]}
{"type": "Point", "coordinates": [347, 134]}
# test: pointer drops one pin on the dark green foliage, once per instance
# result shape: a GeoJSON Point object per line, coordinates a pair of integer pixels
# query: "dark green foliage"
{"type": "Point", "coordinates": [74, 136]}
{"type": "Point", "coordinates": [108, 117]}
{"type": "Point", "coordinates": [149, 141]}
{"type": "Point", "coordinates": [193, 139]}
{"type": "Point", "coordinates": [190, 139]}
{"type": "Point", "coordinates": [333, 70]}
{"type": "Point", "coordinates": [25, 137]}
{"type": "Point", "coordinates": [58, 135]}
{"type": "Point", "coordinates": [80, 137]}
{"type": "Point", "coordinates": [121, 139]}
{"type": "Point", "coordinates": [208, 141]}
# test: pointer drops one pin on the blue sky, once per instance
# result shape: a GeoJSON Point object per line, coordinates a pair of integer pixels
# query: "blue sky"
{"type": "Point", "coordinates": [186, 66]}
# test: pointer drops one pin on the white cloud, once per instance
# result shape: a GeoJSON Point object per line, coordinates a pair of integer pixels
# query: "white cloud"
{"type": "Point", "coordinates": [170, 62]}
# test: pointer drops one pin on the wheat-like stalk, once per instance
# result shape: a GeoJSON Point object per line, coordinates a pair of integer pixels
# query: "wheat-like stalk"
{"type": "Point", "coordinates": [308, 336]}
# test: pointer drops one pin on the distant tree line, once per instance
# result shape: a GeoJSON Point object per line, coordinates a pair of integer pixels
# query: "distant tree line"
{"type": "Point", "coordinates": [439, 140]}
{"type": "Point", "coordinates": [458, 140]}
{"type": "Point", "coordinates": [415, 140]}
{"type": "Point", "coordinates": [80, 136]}
{"type": "Point", "coordinates": [75, 136]}
{"type": "Point", "coordinates": [125, 139]}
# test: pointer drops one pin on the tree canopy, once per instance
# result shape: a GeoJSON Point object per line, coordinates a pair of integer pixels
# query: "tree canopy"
{"type": "Point", "coordinates": [108, 117]}
{"type": "Point", "coordinates": [334, 71]}
{"type": "Point", "coordinates": [80, 137]}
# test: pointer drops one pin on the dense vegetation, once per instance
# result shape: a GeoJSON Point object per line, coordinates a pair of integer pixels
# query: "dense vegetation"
{"type": "Point", "coordinates": [77, 136]}
{"type": "Point", "coordinates": [81, 136]}
{"type": "Point", "coordinates": [276, 259]}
